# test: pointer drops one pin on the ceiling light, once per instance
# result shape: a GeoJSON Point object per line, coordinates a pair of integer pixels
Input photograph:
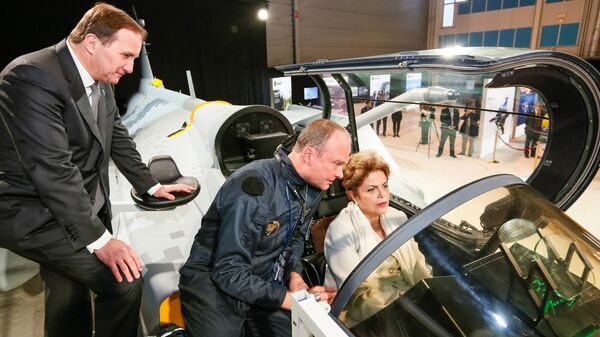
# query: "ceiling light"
{"type": "Point", "coordinates": [263, 14]}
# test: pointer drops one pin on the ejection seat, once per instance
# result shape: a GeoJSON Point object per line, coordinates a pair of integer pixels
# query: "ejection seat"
{"type": "Point", "coordinates": [333, 201]}
{"type": "Point", "coordinates": [164, 169]}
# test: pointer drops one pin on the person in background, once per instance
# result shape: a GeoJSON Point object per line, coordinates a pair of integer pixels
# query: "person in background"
{"type": "Point", "coordinates": [427, 116]}
{"type": "Point", "coordinates": [59, 126]}
{"type": "Point", "coordinates": [381, 98]}
{"type": "Point", "coordinates": [449, 118]}
{"type": "Point", "coordinates": [396, 119]}
{"type": "Point", "coordinates": [368, 106]}
{"type": "Point", "coordinates": [533, 129]}
{"type": "Point", "coordinates": [361, 226]}
{"type": "Point", "coordinates": [469, 129]}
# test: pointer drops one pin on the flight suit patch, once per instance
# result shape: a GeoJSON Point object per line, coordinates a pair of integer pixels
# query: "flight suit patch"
{"type": "Point", "coordinates": [272, 227]}
{"type": "Point", "coordinates": [253, 186]}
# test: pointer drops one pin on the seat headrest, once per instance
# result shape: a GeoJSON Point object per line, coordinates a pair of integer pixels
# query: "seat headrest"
{"type": "Point", "coordinates": [164, 169]}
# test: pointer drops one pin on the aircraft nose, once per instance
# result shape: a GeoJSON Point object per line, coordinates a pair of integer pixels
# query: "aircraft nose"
{"type": "Point", "coordinates": [453, 94]}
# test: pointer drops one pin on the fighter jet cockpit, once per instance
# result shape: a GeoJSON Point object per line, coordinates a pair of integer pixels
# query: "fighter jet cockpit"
{"type": "Point", "coordinates": [500, 256]}
{"type": "Point", "coordinates": [533, 275]}
{"type": "Point", "coordinates": [504, 259]}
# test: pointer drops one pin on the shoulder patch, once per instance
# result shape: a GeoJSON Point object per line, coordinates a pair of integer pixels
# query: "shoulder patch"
{"type": "Point", "coordinates": [253, 186]}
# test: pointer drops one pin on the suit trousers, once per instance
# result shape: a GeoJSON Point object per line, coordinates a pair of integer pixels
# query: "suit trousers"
{"type": "Point", "coordinates": [396, 127]}
{"type": "Point", "coordinates": [68, 278]}
{"type": "Point", "coordinates": [384, 122]}
{"type": "Point", "coordinates": [209, 312]}
{"type": "Point", "coordinates": [447, 133]}
{"type": "Point", "coordinates": [467, 139]}
{"type": "Point", "coordinates": [531, 140]}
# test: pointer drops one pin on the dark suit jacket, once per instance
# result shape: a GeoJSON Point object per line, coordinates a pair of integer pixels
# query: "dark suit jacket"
{"type": "Point", "coordinates": [52, 152]}
{"type": "Point", "coordinates": [448, 118]}
{"type": "Point", "coordinates": [472, 121]}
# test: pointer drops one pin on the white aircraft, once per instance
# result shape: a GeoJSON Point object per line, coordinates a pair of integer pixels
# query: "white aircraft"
{"type": "Point", "coordinates": [505, 259]}
{"type": "Point", "coordinates": [500, 223]}
{"type": "Point", "coordinates": [207, 141]}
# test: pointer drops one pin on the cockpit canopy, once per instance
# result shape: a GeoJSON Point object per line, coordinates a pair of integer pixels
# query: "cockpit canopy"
{"type": "Point", "coordinates": [502, 85]}
{"type": "Point", "coordinates": [517, 266]}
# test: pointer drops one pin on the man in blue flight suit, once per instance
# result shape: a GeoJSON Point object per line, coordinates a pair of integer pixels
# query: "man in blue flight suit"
{"type": "Point", "coordinates": [245, 263]}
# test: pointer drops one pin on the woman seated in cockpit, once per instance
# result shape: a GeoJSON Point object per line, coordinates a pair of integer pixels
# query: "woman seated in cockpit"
{"type": "Point", "coordinates": [358, 228]}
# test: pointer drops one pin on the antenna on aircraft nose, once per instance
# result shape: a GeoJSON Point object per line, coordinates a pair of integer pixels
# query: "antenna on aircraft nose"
{"type": "Point", "coordinates": [144, 60]}
{"type": "Point", "coordinates": [140, 22]}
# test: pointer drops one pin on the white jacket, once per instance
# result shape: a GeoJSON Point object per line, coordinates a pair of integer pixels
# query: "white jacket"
{"type": "Point", "coordinates": [349, 239]}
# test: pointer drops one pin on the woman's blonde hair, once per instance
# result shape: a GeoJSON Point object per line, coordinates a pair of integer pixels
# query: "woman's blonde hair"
{"type": "Point", "coordinates": [359, 166]}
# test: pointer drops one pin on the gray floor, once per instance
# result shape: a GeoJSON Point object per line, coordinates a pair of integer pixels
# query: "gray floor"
{"type": "Point", "coordinates": [22, 310]}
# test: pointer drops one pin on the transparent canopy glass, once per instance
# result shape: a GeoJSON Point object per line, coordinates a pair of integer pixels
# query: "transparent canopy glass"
{"type": "Point", "coordinates": [531, 272]}
{"type": "Point", "coordinates": [420, 115]}
{"type": "Point", "coordinates": [499, 85]}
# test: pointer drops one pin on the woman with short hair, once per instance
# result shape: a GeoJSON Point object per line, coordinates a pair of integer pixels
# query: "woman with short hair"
{"type": "Point", "coordinates": [361, 226]}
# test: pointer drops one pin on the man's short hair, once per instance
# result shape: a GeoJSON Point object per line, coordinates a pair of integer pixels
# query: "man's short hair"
{"type": "Point", "coordinates": [316, 135]}
{"type": "Point", "coordinates": [104, 20]}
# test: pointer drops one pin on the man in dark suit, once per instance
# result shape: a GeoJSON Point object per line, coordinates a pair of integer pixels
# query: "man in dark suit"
{"type": "Point", "coordinates": [59, 125]}
{"type": "Point", "coordinates": [449, 118]}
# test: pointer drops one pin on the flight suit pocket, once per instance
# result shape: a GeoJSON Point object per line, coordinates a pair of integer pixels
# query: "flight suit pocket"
{"type": "Point", "coordinates": [272, 232]}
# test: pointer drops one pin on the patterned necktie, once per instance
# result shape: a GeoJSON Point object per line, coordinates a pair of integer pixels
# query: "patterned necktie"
{"type": "Point", "coordinates": [98, 200]}
{"type": "Point", "coordinates": [95, 99]}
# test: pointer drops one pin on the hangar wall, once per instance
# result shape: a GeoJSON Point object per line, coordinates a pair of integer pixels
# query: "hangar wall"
{"type": "Point", "coordinates": [220, 41]}
{"type": "Point", "coordinates": [570, 26]}
{"type": "Point", "coordinates": [336, 29]}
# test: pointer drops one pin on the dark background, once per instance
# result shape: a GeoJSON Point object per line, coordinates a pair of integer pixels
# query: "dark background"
{"type": "Point", "coordinates": [221, 41]}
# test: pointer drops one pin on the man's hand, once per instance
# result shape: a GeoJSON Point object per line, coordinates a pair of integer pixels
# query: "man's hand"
{"type": "Point", "coordinates": [296, 282]}
{"type": "Point", "coordinates": [320, 293]}
{"type": "Point", "coordinates": [164, 191]}
{"type": "Point", "coordinates": [120, 258]}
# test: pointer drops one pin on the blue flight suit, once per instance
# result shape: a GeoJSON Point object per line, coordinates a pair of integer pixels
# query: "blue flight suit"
{"type": "Point", "coordinates": [227, 285]}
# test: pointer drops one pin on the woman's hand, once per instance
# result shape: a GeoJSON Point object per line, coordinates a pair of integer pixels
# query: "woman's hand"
{"type": "Point", "coordinates": [322, 293]}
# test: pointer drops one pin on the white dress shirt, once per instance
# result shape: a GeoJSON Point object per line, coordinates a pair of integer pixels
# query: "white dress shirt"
{"type": "Point", "coordinates": [88, 81]}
